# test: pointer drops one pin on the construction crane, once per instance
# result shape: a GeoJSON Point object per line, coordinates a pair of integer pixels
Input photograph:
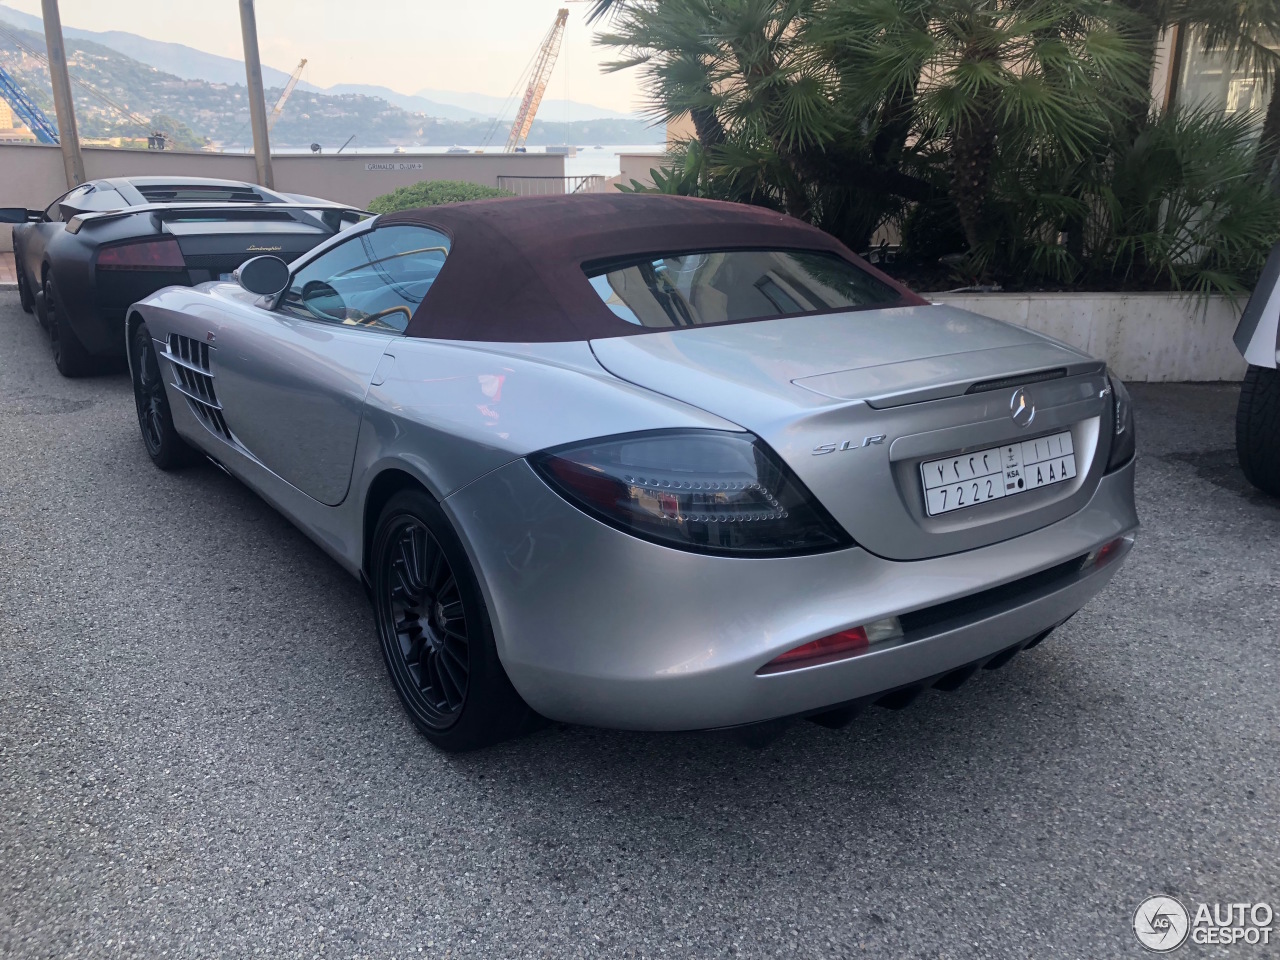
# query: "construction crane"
{"type": "Point", "coordinates": [89, 88]}
{"type": "Point", "coordinates": [32, 117]}
{"type": "Point", "coordinates": [543, 64]}
{"type": "Point", "coordinates": [284, 97]}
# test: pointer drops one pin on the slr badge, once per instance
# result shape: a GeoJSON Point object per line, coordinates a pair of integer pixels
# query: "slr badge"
{"type": "Point", "coordinates": [822, 448]}
{"type": "Point", "coordinates": [1022, 408]}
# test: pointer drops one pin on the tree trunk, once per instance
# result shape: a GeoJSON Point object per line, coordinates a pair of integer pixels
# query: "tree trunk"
{"type": "Point", "coordinates": [1269, 142]}
{"type": "Point", "coordinates": [1137, 107]}
{"type": "Point", "coordinates": [707, 126]}
{"type": "Point", "coordinates": [972, 154]}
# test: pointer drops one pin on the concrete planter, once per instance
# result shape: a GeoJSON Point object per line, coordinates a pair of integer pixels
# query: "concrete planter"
{"type": "Point", "coordinates": [1142, 336]}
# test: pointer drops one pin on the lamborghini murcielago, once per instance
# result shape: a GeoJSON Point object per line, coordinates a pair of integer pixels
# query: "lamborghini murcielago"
{"type": "Point", "coordinates": [106, 243]}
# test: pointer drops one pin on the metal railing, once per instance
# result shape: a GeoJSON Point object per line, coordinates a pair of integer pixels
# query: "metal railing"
{"type": "Point", "coordinates": [552, 186]}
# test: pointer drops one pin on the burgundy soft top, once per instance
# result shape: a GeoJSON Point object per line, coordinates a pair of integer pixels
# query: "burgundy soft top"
{"type": "Point", "coordinates": [515, 267]}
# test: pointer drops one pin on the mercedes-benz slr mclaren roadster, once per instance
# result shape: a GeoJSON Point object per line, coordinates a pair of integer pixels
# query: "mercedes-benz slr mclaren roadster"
{"type": "Point", "coordinates": [649, 462]}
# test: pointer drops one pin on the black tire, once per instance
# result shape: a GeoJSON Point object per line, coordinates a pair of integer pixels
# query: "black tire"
{"type": "Point", "coordinates": [24, 290]}
{"type": "Point", "coordinates": [1258, 429]}
{"type": "Point", "coordinates": [167, 450]}
{"type": "Point", "coordinates": [435, 631]}
{"type": "Point", "coordinates": [69, 354]}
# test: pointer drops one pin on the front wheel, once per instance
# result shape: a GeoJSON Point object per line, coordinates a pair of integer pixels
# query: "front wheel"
{"type": "Point", "coordinates": [167, 450]}
{"type": "Point", "coordinates": [1258, 429]}
{"type": "Point", "coordinates": [436, 637]}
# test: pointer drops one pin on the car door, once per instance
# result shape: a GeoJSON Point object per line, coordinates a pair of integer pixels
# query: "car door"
{"type": "Point", "coordinates": [292, 380]}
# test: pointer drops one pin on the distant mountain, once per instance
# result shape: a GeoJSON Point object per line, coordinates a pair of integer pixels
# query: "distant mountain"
{"type": "Point", "coordinates": [490, 106]}
{"type": "Point", "coordinates": [192, 109]}
{"type": "Point", "coordinates": [406, 101]}
{"type": "Point", "coordinates": [173, 58]}
{"type": "Point", "coordinates": [188, 63]}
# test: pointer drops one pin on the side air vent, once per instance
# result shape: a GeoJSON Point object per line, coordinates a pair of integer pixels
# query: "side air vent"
{"type": "Point", "coordinates": [193, 378]}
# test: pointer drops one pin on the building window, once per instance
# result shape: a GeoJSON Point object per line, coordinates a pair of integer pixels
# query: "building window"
{"type": "Point", "coordinates": [1211, 80]}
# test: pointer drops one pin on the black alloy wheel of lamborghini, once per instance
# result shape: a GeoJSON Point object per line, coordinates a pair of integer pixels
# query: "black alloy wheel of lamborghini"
{"type": "Point", "coordinates": [435, 631]}
{"type": "Point", "coordinates": [24, 292]}
{"type": "Point", "coordinates": [69, 355]}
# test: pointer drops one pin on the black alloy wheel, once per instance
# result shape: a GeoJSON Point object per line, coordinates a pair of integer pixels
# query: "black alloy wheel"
{"type": "Point", "coordinates": [1258, 428]}
{"type": "Point", "coordinates": [435, 631]}
{"type": "Point", "coordinates": [69, 355]}
{"type": "Point", "coordinates": [429, 621]}
{"type": "Point", "coordinates": [24, 290]}
{"type": "Point", "coordinates": [167, 450]}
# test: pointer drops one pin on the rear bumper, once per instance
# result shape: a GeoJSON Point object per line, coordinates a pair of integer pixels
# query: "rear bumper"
{"type": "Point", "coordinates": [597, 627]}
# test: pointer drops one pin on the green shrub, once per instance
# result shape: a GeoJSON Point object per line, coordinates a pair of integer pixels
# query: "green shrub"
{"type": "Point", "coordinates": [432, 193]}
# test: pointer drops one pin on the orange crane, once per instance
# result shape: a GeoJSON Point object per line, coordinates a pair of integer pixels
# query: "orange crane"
{"type": "Point", "coordinates": [543, 64]}
{"type": "Point", "coordinates": [284, 97]}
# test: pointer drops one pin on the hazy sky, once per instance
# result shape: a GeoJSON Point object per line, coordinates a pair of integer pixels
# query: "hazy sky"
{"type": "Point", "coordinates": [472, 45]}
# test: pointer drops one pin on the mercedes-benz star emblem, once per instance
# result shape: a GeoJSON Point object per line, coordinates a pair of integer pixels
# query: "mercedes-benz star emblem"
{"type": "Point", "coordinates": [1022, 408]}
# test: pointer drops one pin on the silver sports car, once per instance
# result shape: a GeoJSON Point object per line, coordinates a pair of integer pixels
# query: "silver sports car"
{"type": "Point", "coordinates": [648, 462]}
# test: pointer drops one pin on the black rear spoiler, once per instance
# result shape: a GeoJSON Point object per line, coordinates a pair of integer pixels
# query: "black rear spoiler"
{"type": "Point", "coordinates": [163, 211]}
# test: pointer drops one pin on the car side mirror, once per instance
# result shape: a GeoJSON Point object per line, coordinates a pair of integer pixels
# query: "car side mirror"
{"type": "Point", "coordinates": [265, 276]}
{"type": "Point", "coordinates": [20, 215]}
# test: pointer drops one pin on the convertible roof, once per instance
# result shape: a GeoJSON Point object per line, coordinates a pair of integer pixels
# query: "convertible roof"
{"type": "Point", "coordinates": [514, 272]}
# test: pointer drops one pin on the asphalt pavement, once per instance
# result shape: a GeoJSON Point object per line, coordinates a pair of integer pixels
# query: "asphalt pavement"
{"type": "Point", "coordinates": [201, 755]}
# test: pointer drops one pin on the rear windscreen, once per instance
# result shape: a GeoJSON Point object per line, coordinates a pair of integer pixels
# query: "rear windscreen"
{"type": "Point", "coordinates": [693, 289]}
{"type": "Point", "coordinates": [202, 194]}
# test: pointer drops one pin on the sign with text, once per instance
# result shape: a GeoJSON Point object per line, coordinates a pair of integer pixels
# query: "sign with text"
{"type": "Point", "coordinates": [373, 165]}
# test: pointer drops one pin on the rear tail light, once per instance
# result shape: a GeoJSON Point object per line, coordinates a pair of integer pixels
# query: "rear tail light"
{"type": "Point", "coordinates": [838, 646]}
{"type": "Point", "coordinates": [705, 491]}
{"type": "Point", "coordinates": [147, 255]}
{"type": "Point", "coordinates": [1122, 430]}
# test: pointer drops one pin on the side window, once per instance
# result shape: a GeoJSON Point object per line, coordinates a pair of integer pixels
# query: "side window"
{"type": "Point", "coordinates": [375, 280]}
{"type": "Point", "coordinates": [53, 212]}
{"type": "Point", "coordinates": [102, 200]}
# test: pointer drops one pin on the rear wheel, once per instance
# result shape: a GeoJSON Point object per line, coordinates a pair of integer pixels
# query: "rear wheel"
{"type": "Point", "coordinates": [24, 290]}
{"type": "Point", "coordinates": [436, 637]}
{"type": "Point", "coordinates": [167, 450]}
{"type": "Point", "coordinates": [69, 354]}
{"type": "Point", "coordinates": [1258, 429]}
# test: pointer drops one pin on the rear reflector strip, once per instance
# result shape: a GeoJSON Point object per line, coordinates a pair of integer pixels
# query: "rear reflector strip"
{"type": "Point", "coordinates": [1106, 553]}
{"type": "Point", "coordinates": [837, 646]}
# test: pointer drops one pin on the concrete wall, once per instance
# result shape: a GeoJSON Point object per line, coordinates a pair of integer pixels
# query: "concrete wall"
{"type": "Point", "coordinates": [31, 174]}
{"type": "Point", "coordinates": [1142, 336]}
{"type": "Point", "coordinates": [636, 166]}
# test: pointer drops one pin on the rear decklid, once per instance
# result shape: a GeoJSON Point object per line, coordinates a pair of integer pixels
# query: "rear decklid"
{"type": "Point", "coordinates": [856, 402]}
{"type": "Point", "coordinates": [213, 246]}
{"type": "Point", "coordinates": [216, 237]}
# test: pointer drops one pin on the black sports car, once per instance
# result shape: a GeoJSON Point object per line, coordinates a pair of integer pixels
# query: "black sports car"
{"type": "Point", "coordinates": [108, 243]}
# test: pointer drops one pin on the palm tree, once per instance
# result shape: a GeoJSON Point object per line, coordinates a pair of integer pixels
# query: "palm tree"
{"type": "Point", "coordinates": [914, 98]}
{"type": "Point", "coordinates": [986, 78]}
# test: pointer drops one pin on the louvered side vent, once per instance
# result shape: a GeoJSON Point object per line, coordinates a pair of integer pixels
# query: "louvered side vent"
{"type": "Point", "coordinates": [194, 379]}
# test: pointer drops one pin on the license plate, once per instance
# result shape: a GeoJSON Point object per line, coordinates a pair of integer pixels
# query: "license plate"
{"type": "Point", "coordinates": [954, 483]}
{"type": "Point", "coordinates": [224, 276]}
